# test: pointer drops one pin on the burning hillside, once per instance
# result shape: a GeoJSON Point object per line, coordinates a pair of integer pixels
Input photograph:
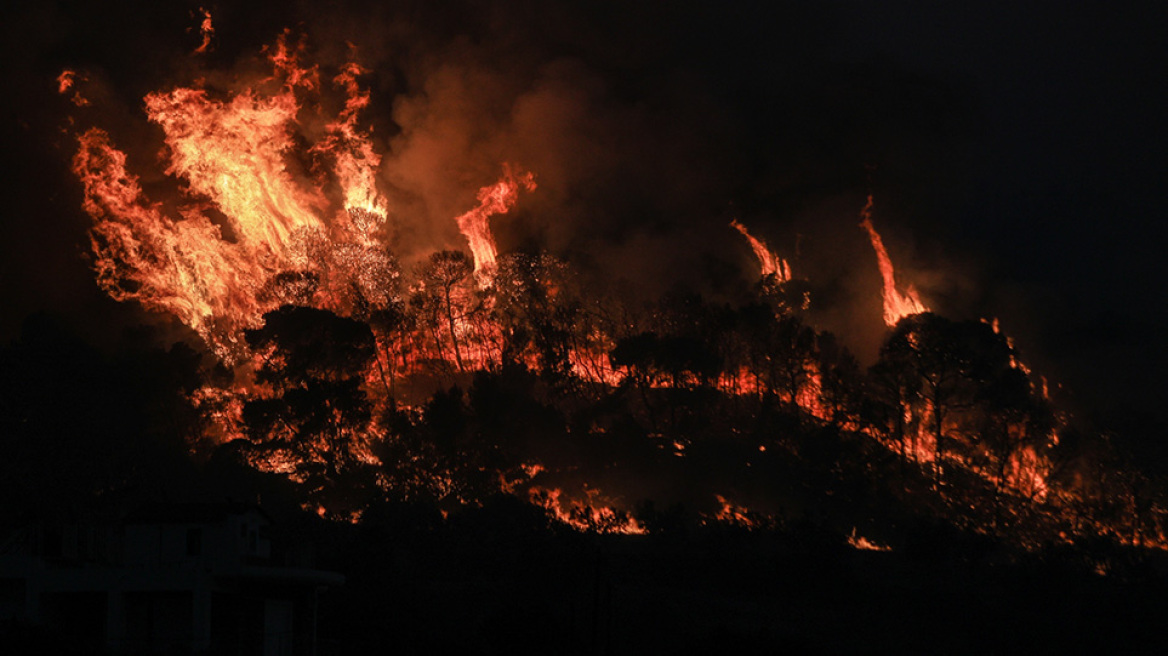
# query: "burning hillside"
{"type": "Point", "coordinates": [361, 370]}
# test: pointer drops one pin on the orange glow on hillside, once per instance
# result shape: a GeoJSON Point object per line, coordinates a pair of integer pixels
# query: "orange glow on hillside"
{"type": "Point", "coordinates": [587, 516]}
{"type": "Point", "coordinates": [276, 202]}
{"type": "Point", "coordinates": [864, 544]}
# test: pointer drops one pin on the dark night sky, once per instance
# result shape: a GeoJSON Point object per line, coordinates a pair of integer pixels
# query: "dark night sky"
{"type": "Point", "coordinates": [1016, 150]}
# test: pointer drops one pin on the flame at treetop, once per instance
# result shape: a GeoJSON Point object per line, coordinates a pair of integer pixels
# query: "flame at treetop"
{"type": "Point", "coordinates": [355, 159]}
{"type": "Point", "coordinates": [498, 198]}
{"type": "Point", "coordinates": [233, 151]}
{"type": "Point", "coordinates": [770, 264]}
{"type": "Point", "coordinates": [896, 305]}
{"type": "Point", "coordinates": [591, 515]}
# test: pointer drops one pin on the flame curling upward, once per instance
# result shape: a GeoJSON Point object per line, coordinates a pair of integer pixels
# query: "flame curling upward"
{"type": "Point", "coordinates": [181, 267]}
{"type": "Point", "coordinates": [771, 264]}
{"type": "Point", "coordinates": [896, 305]}
{"type": "Point", "coordinates": [207, 30]}
{"type": "Point", "coordinates": [498, 198]}
{"type": "Point", "coordinates": [356, 161]}
{"type": "Point", "coordinates": [233, 151]}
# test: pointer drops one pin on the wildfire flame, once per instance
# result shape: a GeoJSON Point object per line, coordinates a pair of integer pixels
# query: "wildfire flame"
{"type": "Point", "coordinates": [591, 515]}
{"type": "Point", "coordinates": [66, 82]}
{"type": "Point", "coordinates": [732, 514]}
{"type": "Point", "coordinates": [233, 153]}
{"type": "Point", "coordinates": [770, 264]}
{"type": "Point", "coordinates": [181, 267]}
{"type": "Point", "coordinates": [896, 305]}
{"type": "Point", "coordinates": [356, 161]}
{"type": "Point", "coordinates": [206, 29]}
{"type": "Point", "coordinates": [864, 544]}
{"type": "Point", "coordinates": [247, 219]}
{"type": "Point", "coordinates": [498, 198]}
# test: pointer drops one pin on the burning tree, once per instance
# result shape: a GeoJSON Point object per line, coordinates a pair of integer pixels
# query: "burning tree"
{"type": "Point", "coordinates": [463, 375]}
{"type": "Point", "coordinates": [897, 305]}
{"type": "Point", "coordinates": [961, 384]}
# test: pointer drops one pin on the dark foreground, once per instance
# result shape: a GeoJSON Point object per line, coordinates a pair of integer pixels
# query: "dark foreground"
{"type": "Point", "coordinates": [500, 583]}
{"type": "Point", "coordinates": [505, 579]}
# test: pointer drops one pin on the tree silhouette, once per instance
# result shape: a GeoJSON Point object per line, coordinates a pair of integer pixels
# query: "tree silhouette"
{"type": "Point", "coordinates": [446, 296]}
{"type": "Point", "coordinates": [535, 311]}
{"type": "Point", "coordinates": [316, 419]}
{"type": "Point", "coordinates": [935, 351]}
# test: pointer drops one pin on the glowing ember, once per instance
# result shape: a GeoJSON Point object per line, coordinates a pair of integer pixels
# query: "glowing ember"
{"type": "Point", "coordinates": [498, 198]}
{"type": "Point", "coordinates": [588, 516]}
{"type": "Point", "coordinates": [864, 544]}
{"type": "Point", "coordinates": [771, 264]}
{"type": "Point", "coordinates": [1014, 362]}
{"type": "Point", "coordinates": [732, 514]}
{"type": "Point", "coordinates": [896, 305]}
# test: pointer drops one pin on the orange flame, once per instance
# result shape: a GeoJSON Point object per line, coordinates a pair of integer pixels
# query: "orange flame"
{"type": "Point", "coordinates": [1014, 361]}
{"type": "Point", "coordinates": [182, 267]}
{"type": "Point", "coordinates": [355, 159]}
{"type": "Point", "coordinates": [498, 198]}
{"type": "Point", "coordinates": [864, 544]}
{"type": "Point", "coordinates": [732, 514]}
{"type": "Point", "coordinates": [67, 81]}
{"type": "Point", "coordinates": [585, 516]}
{"type": "Point", "coordinates": [207, 30]}
{"type": "Point", "coordinates": [896, 305]}
{"type": "Point", "coordinates": [233, 154]}
{"type": "Point", "coordinates": [771, 264]}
